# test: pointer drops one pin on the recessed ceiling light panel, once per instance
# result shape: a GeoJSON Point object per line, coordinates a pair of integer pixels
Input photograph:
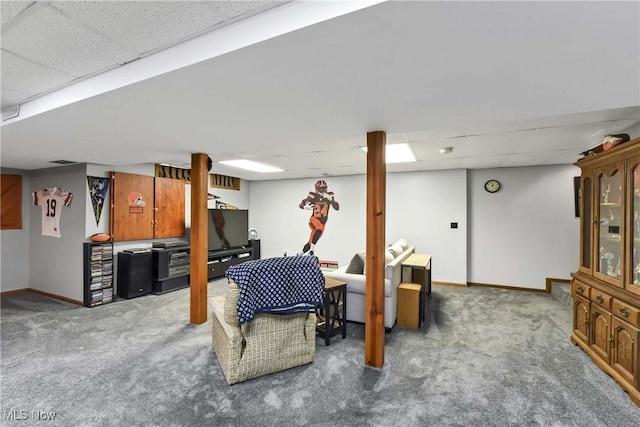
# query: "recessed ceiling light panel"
{"type": "Point", "coordinates": [397, 153]}
{"type": "Point", "coordinates": [250, 165]}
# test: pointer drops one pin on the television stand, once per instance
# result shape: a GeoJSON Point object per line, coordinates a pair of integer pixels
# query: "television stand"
{"type": "Point", "coordinates": [220, 260]}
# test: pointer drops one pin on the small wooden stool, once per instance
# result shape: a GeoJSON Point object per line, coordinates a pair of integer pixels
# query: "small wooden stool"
{"type": "Point", "coordinates": [409, 305]}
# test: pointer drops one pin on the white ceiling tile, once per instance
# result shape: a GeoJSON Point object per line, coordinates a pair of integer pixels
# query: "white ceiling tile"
{"type": "Point", "coordinates": [441, 164]}
{"type": "Point", "coordinates": [27, 77]}
{"type": "Point", "coordinates": [493, 144]}
{"type": "Point", "coordinates": [144, 26]}
{"type": "Point", "coordinates": [620, 126]}
{"type": "Point", "coordinates": [482, 162]}
{"type": "Point", "coordinates": [344, 157]}
{"type": "Point", "coordinates": [581, 136]}
{"type": "Point", "coordinates": [435, 134]}
{"type": "Point", "coordinates": [82, 51]}
{"type": "Point", "coordinates": [11, 9]}
{"type": "Point", "coordinates": [346, 170]}
{"type": "Point", "coordinates": [10, 97]}
{"type": "Point", "coordinates": [539, 158]}
{"type": "Point", "coordinates": [430, 150]}
{"type": "Point", "coordinates": [234, 9]}
{"type": "Point", "coordinates": [471, 146]}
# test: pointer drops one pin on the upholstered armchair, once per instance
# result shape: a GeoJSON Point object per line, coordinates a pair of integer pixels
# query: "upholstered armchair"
{"type": "Point", "coordinates": [264, 344]}
{"type": "Point", "coordinates": [269, 343]}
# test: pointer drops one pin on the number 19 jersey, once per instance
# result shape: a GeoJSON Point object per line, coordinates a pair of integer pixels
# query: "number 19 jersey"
{"type": "Point", "coordinates": [51, 200]}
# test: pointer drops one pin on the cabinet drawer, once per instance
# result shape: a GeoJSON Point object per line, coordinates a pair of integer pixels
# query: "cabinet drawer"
{"type": "Point", "coordinates": [600, 298]}
{"type": "Point", "coordinates": [626, 312]}
{"type": "Point", "coordinates": [580, 289]}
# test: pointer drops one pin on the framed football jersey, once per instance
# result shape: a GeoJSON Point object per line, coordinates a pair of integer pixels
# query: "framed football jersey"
{"type": "Point", "coordinates": [51, 200]}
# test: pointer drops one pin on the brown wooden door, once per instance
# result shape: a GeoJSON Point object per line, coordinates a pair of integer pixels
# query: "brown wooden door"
{"type": "Point", "coordinates": [600, 332]}
{"type": "Point", "coordinates": [624, 353]}
{"type": "Point", "coordinates": [131, 207]}
{"type": "Point", "coordinates": [581, 319]}
{"type": "Point", "coordinates": [169, 208]}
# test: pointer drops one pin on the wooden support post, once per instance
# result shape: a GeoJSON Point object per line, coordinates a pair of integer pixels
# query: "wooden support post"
{"type": "Point", "coordinates": [374, 295]}
{"type": "Point", "coordinates": [199, 212]}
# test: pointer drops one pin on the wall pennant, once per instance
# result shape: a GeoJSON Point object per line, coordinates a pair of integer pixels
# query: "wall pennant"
{"type": "Point", "coordinates": [98, 190]}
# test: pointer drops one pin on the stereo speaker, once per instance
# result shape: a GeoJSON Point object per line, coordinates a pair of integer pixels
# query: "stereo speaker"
{"type": "Point", "coordinates": [134, 274]}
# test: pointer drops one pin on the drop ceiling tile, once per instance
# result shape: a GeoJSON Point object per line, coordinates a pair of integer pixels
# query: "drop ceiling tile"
{"type": "Point", "coordinates": [343, 157]}
{"type": "Point", "coordinates": [539, 158]}
{"type": "Point", "coordinates": [11, 9]}
{"type": "Point", "coordinates": [51, 39]}
{"type": "Point", "coordinates": [432, 164]}
{"type": "Point", "coordinates": [346, 170]}
{"type": "Point", "coordinates": [434, 134]}
{"type": "Point", "coordinates": [483, 162]}
{"type": "Point", "coordinates": [580, 136]}
{"type": "Point", "coordinates": [10, 97]}
{"type": "Point", "coordinates": [490, 145]}
{"type": "Point", "coordinates": [295, 161]}
{"type": "Point", "coordinates": [622, 126]}
{"type": "Point", "coordinates": [429, 150]}
{"type": "Point", "coordinates": [28, 77]}
{"type": "Point", "coordinates": [144, 26]}
{"type": "Point", "coordinates": [234, 9]}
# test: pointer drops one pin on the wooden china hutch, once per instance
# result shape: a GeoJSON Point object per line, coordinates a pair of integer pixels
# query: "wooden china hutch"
{"type": "Point", "coordinates": [606, 288]}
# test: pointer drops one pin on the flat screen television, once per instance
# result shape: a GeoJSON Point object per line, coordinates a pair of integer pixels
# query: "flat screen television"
{"type": "Point", "coordinates": [227, 228]}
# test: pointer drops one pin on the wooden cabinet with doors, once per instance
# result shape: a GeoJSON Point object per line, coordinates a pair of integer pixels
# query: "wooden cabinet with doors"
{"type": "Point", "coordinates": [606, 287]}
{"type": "Point", "coordinates": [146, 207]}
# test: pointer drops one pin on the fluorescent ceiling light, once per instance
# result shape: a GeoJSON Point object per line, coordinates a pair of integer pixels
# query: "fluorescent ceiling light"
{"type": "Point", "coordinates": [397, 153]}
{"type": "Point", "coordinates": [250, 165]}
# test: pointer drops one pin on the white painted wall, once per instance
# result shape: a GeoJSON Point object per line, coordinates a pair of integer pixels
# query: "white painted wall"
{"type": "Point", "coordinates": [516, 237]}
{"type": "Point", "coordinates": [55, 264]}
{"type": "Point", "coordinates": [283, 226]}
{"type": "Point", "coordinates": [420, 208]}
{"type": "Point", "coordinates": [14, 244]}
{"type": "Point", "coordinates": [525, 232]}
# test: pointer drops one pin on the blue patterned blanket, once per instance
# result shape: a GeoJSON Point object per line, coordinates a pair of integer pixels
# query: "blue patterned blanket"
{"type": "Point", "coordinates": [281, 285]}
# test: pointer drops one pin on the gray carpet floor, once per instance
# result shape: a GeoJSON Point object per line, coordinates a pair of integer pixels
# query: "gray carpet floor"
{"type": "Point", "coordinates": [485, 357]}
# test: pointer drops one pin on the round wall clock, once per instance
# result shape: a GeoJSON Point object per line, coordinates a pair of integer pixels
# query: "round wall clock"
{"type": "Point", "coordinates": [492, 186]}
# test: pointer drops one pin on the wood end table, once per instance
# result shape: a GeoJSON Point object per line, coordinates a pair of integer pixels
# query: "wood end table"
{"type": "Point", "coordinates": [332, 316]}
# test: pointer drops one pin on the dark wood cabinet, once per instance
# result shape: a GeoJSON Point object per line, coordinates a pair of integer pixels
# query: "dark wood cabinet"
{"type": "Point", "coordinates": [169, 208]}
{"type": "Point", "coordinates": [146, 207]}
{"type": "Point", "coordinates": [606, 287]}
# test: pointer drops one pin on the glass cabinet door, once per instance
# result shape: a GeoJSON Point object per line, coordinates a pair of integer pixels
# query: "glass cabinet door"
{"type": "Point", "coordinates": [585, 224]}
{"type": "Point", "coordinates": [610, 224]}
{"type": "Point", "coordinates": [633, 273]}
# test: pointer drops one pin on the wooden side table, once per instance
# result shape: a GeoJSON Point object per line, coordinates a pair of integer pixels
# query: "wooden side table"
{"type": "Point", "coordinates": [417, 269]}
{"type": "Point", "coordinates": [332, 317]}
{"type": "Point", "coordinates": [409, 305]}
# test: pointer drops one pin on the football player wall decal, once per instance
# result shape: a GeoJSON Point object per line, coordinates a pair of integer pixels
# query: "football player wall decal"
{"type": "Point", "coordinates": [319, 201]}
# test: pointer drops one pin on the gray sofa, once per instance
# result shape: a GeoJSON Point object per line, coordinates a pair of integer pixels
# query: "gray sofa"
{"type": "Point", "coordinates": [353, 274]}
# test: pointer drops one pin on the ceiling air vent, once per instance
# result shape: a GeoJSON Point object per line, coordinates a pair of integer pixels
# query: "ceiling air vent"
{"type": "Point", "coordinates": [63, 162]}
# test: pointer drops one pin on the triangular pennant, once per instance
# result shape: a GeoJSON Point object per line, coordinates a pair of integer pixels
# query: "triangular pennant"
{"type": "Point", "coordinates": [98, 191]}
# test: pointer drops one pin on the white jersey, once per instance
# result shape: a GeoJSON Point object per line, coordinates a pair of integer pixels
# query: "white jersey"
{"type": "Point", "coordinates": [51, 200]}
